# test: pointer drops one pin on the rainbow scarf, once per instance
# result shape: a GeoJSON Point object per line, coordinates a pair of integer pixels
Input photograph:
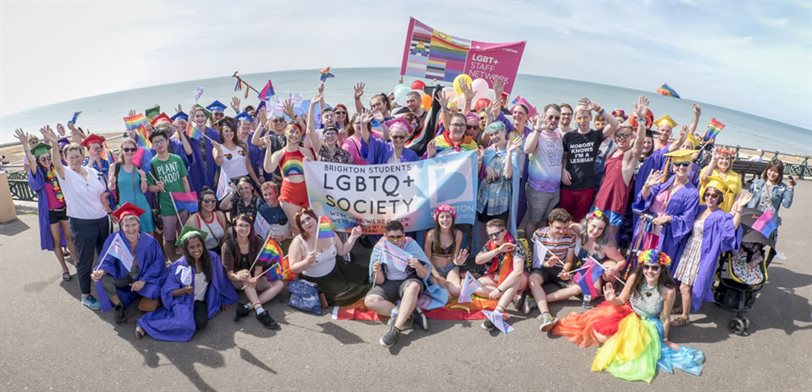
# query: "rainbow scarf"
{"type": "Point", "coordinates": [443, 142]}
{"type": "Point", "coordinates": [50, 176]}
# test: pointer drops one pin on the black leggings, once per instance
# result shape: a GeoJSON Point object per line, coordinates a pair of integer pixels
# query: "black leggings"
{"type": "Point", "coordinates": [201, 315]}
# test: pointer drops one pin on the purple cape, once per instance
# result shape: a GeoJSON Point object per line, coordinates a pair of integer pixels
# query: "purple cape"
{"type": "Point", "coordinates": [151, 263]}
{"type": "Point", "coordinates": [37, 184]}
{"type": "Point", "coordinates": [174, 320]}
{"type": "Point", "coordinates": [378, 152]}
{"type": "Point", "coordinates": [718, 236]}
{"type": "Point", "coordinates": [682, 207]}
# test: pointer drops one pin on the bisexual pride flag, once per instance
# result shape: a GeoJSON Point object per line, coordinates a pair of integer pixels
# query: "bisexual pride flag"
{"type": "Point", "coordinates": [586, 279]}
{"type": "Point", "coordinates": [185, 201]}
{"type": "Point", "coordinates": [766, 224]}
{"type": "Point", "coordinates": [267, 92]}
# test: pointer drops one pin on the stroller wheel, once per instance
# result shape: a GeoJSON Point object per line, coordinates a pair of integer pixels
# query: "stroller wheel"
{"type": "Point", "coordinates": [746, 323]}
{"type": "Point", "coordinates": [737, 325]}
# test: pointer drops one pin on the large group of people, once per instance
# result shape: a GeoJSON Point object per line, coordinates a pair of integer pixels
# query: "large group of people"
{"type": "Point", "coordinates": [611, 188]}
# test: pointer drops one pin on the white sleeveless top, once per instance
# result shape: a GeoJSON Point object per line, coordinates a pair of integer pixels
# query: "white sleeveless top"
{"type": "Point", "coordinates": [325, 261]}
{"type": "Point", "coordinates": [234, 162]}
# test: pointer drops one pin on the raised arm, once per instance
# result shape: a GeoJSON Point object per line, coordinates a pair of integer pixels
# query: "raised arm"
{"type": "Point", "coordinates": [707, 171]}
{"type": "Point", "coordinates": [609, 131]}
{"type": "Point", "coordinates": [357, 94]}
{"type": "Point", "coordinates": [33, 166]}
{"type": "Point", "coordinates": [641, 109]}
{"type": "Point", "coordinates": [272, 160]}
{"type": "Point", "coordinates": [677, 143]}
{"type": "Point", "coordinates": [695, 121]}
{"type": "Point", "coordinates": [56, 155]}
{"type": "Point", "coordinates": [531, 143]}
{"type": "Point", "coordinates": [315, 140]}
{"type": "Point", "coordinates": [184, 141]}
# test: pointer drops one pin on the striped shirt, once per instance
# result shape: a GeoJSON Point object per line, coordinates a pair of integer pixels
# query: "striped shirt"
{"type": "Point", "coordinates": [558, 247]}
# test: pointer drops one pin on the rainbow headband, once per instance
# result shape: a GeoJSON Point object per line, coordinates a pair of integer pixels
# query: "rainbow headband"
{"type": "Point", "coordinates": [654, 256]}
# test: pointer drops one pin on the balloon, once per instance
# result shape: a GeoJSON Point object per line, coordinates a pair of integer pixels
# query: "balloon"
{"type": "Point", "coordinates": [490, 94]}
{"type": "Point", "coordinates": [400, 92]}
{"type": "Point", "coordinates": [479, 85]}
{"type": "Point", "coordinates": [450, 93]}
{"type": "Point", "coordinates": [461, 78]}
{"type": "Point", "coordinates": [418, 85]}
{"type": "Point", "coordinates": [482, 103]}
{"type": "Point", "coordinates": [649, 119]}
{"type": "Point", "coordinates": [425, 101]}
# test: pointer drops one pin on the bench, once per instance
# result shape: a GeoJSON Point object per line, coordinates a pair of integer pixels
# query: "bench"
{"type": "Point", "coordinates": [749, 167]}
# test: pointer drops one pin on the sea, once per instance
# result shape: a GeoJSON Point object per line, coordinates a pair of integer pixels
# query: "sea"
{"type": "Point", "coordinates": [104, 113]}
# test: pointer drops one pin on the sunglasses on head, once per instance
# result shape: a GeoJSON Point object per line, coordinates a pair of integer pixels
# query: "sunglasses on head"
{"type": "Point", "coordinates": [681, 164]}
{"type": "Point", "coordinates": [129, 149]}
{"type": "Point", "coordinates": [654, 268]}
{"type": "Point", "coordinates": [495, 234]}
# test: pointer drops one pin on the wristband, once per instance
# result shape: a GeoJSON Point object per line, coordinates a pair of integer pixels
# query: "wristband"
{"type": "Point", "coordinates": [598, 108]}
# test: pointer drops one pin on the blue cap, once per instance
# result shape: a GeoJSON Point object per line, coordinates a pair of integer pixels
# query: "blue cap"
{"type": "Point", "coordinates": [216, 106]}
{"type": "Point", "coordinates": [180, 116]}
{"type": "Point", "coordinates": [244, 116]}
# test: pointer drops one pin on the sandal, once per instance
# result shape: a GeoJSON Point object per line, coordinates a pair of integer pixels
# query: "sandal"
{"type": "Point", "coordinates": [676, 309]}
{"type": "Point", "coordinates": [66, 276]}
{"type": "Point", "coordinates": [139, 332]}
{"type": "Point", "coordinates": [680, 322]}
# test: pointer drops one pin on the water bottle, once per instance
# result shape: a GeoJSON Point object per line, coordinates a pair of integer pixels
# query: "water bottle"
{"type": "Point", "coordinates": [585, 304]}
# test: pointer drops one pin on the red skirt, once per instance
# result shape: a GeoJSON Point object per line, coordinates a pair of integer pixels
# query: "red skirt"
{"type": "Point", "coordinates": [294, 193]}
{"type": "Point", "coordinates": [580, 328]}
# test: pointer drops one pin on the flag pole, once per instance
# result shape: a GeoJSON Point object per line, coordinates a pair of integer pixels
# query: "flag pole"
{"type": "Point", "coordinates": [101, 259]}
{"type": "Point", "coordinates": [236, 75]}
{"type": "Point", "coordinates": [170, 198]}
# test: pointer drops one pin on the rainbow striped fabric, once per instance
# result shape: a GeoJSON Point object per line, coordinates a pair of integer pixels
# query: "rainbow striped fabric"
{"type": "Point", "coordinates": [135, 122]}
{"type": "Point", "coordinates": [444, 143]}
{"type": "Point", "coordinates": [667, 91]}
{"type": "Point", "coordinates": [193, 131]}
{"type": "Point", "coordinates": [326, 228]}
{"type": "Point", "coordinates": [714, 128]}
{"type": "Point", "coordinates": [271, 253]}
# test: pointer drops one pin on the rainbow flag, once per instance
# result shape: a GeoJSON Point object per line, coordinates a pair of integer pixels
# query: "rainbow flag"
{"type": "Point", "coordinates": [193, 131]}
{"type": "Point", "coordinates": [271, 253]}
{"type": "Point", "coordinates": [107, 154]}
{"type": "Point", "coordinates": [185, 201]}
{"type": "Point", "coordinates": [326, 228]}
{"type": "Point", "coordinates": [714, 128]}
{"type": "Point", "coordinates": [766, 224]}
{"type": "Point", "coordinates": [142, 138]}
{"type": "Point", "coordinates": [667, 91]}
{"type": "Point", "coordinates": [325, 74]}
{"type": "Point", "coordinates": [134, 122]}
{"type": "Point", "coordinates": [586, 279]}
{"type": "Point", "coordinates": [442, 143]}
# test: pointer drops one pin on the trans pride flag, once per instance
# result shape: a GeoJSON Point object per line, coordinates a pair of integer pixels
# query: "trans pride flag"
{"type": "Point", "coordinates": [468, 287]}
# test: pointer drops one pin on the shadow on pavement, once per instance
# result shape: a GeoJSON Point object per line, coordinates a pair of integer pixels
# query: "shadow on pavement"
{"type": "Point", "coordinates": [12, 228]}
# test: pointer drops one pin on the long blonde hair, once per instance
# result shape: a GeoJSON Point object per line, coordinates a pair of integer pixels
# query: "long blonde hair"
{"type": "Point", "coordinates": [121, 149]}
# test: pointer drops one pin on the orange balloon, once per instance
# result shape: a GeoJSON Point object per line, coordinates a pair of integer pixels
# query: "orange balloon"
{"type": "Point", "coordinates": [425, 101]}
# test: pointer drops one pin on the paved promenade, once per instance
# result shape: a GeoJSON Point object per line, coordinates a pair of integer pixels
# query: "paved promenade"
{"type": "Point", "coordinates": [48, 341]}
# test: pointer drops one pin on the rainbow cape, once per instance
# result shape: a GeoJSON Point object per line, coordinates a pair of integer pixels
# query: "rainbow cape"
{"type": "Point", "coordinates": [714, 128]}
{"type": "Point", "coordinates": [444, 143]}
{"type": "Point", "coordinates": [326, 228]}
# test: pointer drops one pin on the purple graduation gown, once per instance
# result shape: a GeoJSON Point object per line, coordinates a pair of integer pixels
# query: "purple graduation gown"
{"type": "Point", "coordinates": [682, 207]}
{"type": "Point", "coordinates": [37, 184]}
{"type": "Point", "coordinates": [151, 263]}
{"type": "Point", "coordinates": [203, 171]}
{"type": "Point", "coordinates": [256, 156]}
{"type": "Point", "coordinates": [174, 320]}
{"type": "Point", "coordinates": [718, 236]}
{"type": "Point", "coordinates": [378, 152]}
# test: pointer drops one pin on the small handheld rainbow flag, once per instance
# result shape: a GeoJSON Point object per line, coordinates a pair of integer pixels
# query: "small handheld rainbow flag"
{"type": "Point", "coordinates": [325, 74]}
{"type": "Point", "coordinates": [193, 131]}
{"type": "Point", "coordinates": [714, 128]}
{"type": "Point", "coordinates": [142, 137]}
{"type": "Point", "coordinates": [326, 228]}
{"type": "Point", "coordinates": [185, 201]}
{"type": "Point", "coordinates": [667, 91]}
{"type": "Point", "coordinates": [271, 253]}
{"type": "Point", "coordinates": [134, 122]}
{"type": "Point", "coordinates": [765, 224]}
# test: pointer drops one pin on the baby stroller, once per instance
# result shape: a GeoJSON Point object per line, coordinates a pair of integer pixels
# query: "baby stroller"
{"type": "Point", "coordinates": [742, 273]}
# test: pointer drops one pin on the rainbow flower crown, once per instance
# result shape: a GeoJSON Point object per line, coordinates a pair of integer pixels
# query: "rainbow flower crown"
{"type": "Point", "coordinates": [654, 256]}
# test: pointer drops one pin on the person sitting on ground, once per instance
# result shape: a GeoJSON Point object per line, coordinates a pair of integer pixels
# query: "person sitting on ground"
{"type": "Point", "coordinates": [391, 284]}
{"type": "Point", "coordinates": [443, 245]}
{"type": "Point", "coordinates": [271, 219]}
{"type": "Point", "coordinates": [314, 259]}
{"type": "Point", "coordinates": [194, 290]}
{"type": "Point", "coordinates": [144, 278]}
{"type": "Point", "coordinates": [558, 260]}
{"type": "Point", "coordinates": [241, 200]}
{"type": "Point", "coordinates": [504, 279]}
{"type": "Point", "coordinates": [210, 220]}
{"type": "Point", "coordinates": [239, 252]}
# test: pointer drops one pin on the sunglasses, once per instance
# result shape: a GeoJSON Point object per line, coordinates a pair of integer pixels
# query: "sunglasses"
{"type": "Point", "coordinates": [45, 158]}
{"type": "Point", "coordinates": [279, 120]}
{"type": "Point", "coordinates": [219, 114]}
{"type": "Point", "coordinates": [622, 135]}
{"type": "Point", "coordinates": [129, 149]}
{"type": "Point", "coordinates": [470, 127]}
{"type": "Point", "coordinates": [495, 235]}
{"type": "Point", "coordinates": [341, 112]}
{"type": "Point", "coordinates": [654, 268]}
{"type": "Point", "coordinates": [395, 237]}
{"type": "Point", "coordinates": [681, 164]}
{"type": "Point", "coordinates": [712, 195]}
{"type": "Point", "coordinates": [397, 137]}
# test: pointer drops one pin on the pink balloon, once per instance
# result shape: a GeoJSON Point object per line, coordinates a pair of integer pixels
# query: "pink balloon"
{"type": "Point", "coordinates": [479, 86]}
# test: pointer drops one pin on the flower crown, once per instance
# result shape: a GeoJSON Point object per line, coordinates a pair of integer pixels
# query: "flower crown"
{"type": "Point", "coordinates": [596, 214]}
{"type": "Point", "coordinates": [727, 151]}
{"type": "Point", "coordinates": [654, 256]}
{"type": "Point", "coordinates": [444, 208]}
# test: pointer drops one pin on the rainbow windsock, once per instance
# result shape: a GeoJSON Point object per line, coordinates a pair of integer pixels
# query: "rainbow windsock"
{"type": "Point", "coordinates": [667, 91]}
{"type": "Point", "coordinates": [714, 128]}
{"type": "Point", "coordinates": [271, 253]}
{"type": "Point", "coordinates": [134, 122]}
{"type": "Point", "coordinates": [765, 224]}
{"type": "Point", "coordinates": [185, 201]}
{"type": "Point", "coordinates": [326, 228]}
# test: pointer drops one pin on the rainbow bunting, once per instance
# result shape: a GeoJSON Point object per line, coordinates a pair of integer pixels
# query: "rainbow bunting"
{"type": "Point", "coordinates": [714, 128]}
{"type": "Point", "coordinates": [135, 121]}
{"type": "Point", "coordinates": [238, 86]}
{"type": "Point", "coordinates": [326, 228]}
{"type": "Point", "coordinates": [667, 91]}
{"type": "Point", "coordinates": [325, 74]}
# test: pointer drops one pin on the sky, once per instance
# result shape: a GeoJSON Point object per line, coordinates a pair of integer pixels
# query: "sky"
{"type": "Point", "coordinates": [752, 56]}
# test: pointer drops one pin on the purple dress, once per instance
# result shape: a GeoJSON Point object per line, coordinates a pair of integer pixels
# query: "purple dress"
{"type": "Point", "coordinates": [37, 184]}
{"type": "Point", "coordinates": [682, 207]}
{"type": "Point", "coordinates": [718, 236]}
{"type": "Point", "coordinates": [174, 320]}
{"type": "Point", "coordinates": [151, 263]}
{"type": "Point", "coordinates": [202, 173]}
{"type": "Point", "coordinates": [378, 152]}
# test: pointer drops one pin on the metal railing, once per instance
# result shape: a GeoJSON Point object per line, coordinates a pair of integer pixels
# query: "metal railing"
{"type": "Point", "coordinates": [18, 184]}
